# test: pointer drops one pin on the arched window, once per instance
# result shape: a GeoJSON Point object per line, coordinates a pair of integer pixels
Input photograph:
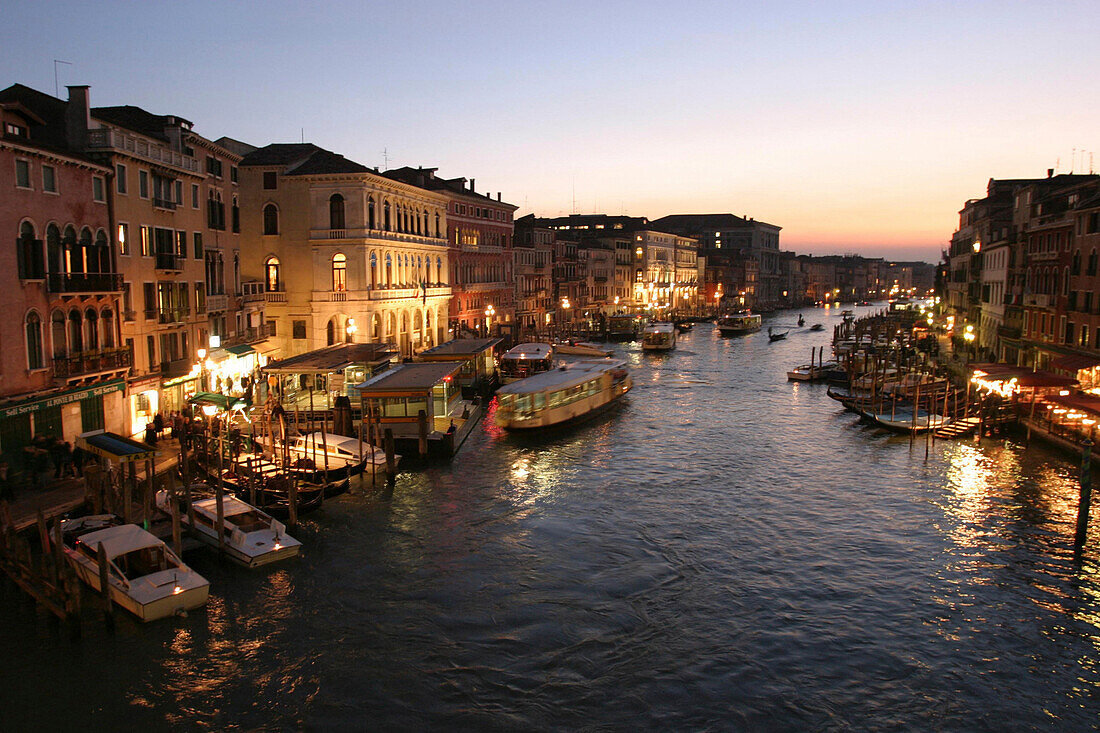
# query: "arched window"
{"type": "Point", "coordinates": [370, 213]}
{"type": "Point", "coordinates": [1065, 281]}
{"type": "Point", "coordinates": [330, 331]}
{"type": "Point", "coordinates": [53, 248]}
{"type": "Point", "coordinates": [271, 219]}
{"type": "Point", "coordinates": [439, 270]}
{"type": "Point", "coordinates": [375, 328]}
{"type": "Point", "coordinates": [437, 225]}
{"type": "Point", "coordinates": [427, 231]}
{"type": "Point", "coordinates": [272, 282]}
{"type": "Point", "coordinates": [1092, 263]}
{"type": "Point", "coordinates": [76, 335]}
{"type": "Point", "coordinates": [84, 256]}
{"type": "Point", "coordinates": [31, 266]}
{"type": "Point", "coordinates": [91, 330]}
{"type": "Point", "coordinates": [389, 270]}
{"type": "Point", "coordinates": [336, 211]}
{"type": "Point", "coordinates": [339, 273]}
{"type": "Point", "coordinates": [57, 334]}
{"type": "Point", "coordinates": [373, 269]}
{"type": "Point", "coordinates": [386, 216]}
{"type": "Point", "coordinates": [391, 331]}
{"type": "Point", "coordinates": [1077, 262]}
{"type": "Point", "coordinates": [418, 223]}
{"type": "Point", "coordinates": [34, 341]}
{"type": "Point", "coordinates": [68, 248]}
{"type": "Point", "coordinates": [102, 253]}
{"type": "Point", "coordinates": [429, 337]}
{"type": "Point", "coordinates": [107, 321]}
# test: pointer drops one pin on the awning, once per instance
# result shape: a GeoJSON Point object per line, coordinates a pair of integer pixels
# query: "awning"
{"type": "Point", "coordinates": [1045, 379]}
{"type": "Point", "coordinates": [240, 349]}
{"type": "Point", "coordinates": [1075, 362]}
{"type": "Point", "coordinates": [114, 447]}
{"type": "Point", "coordinates": [219, 401]}
{"type": "Point", "coordinates": [1085, 403]}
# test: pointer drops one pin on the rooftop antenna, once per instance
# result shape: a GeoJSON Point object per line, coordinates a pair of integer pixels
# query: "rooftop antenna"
{"type": "Point", "coordinates": [1073, 165]}
{"type": "Point", "coordinates": [56, 85]}
{"type": "Point", "coordinates": [574, 195]}
{"type": "Point", "coordinates": [303, 134]}
{"type": "Point", "coordinates": [385, 159]}
{"type": "Point", "coordinates": [1090, 163]}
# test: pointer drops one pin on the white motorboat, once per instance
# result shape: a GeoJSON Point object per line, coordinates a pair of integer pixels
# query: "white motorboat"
{"type": "Point", "coordinates": [580, 348]}
{"type": "Point", "coordinates": [252, 538]}
{"type": "Point", "coordinates": [144, 576]}
{"type": "Point", "coordinates": [569, 393]}
{"type": "Point", "coordinates": [525, 360]}
{"type": "Point", "coordinates": [313, 452]}
{"type": "Point", "coordinates": [735, 324]}
{"type": "Point", "coordinates": [659, 336]}
{"type": "Point", "coordinates": [811, 372]}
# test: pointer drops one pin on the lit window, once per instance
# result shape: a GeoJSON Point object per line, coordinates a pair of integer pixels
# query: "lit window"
{"type": "Point", "coordinates": [339, 273]}
{"type": "Point", "coordinates": [123, 239]}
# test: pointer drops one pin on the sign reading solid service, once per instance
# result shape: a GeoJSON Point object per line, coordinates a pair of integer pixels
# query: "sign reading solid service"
{"type": "Point", "coordinates": [62, 399]}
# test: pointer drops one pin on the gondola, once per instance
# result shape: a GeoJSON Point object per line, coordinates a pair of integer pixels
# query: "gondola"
{"type": "Point", "coordinates": [774, 336]}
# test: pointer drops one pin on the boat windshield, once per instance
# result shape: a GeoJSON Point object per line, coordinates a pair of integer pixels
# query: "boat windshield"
{"type": "Point", "coordinates": [145, 561]}
{"type": "Point", "coordinates": [251, 521]}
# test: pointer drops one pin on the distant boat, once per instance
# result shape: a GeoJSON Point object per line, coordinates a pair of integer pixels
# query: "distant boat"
{"type": "Point", "coordinates": [817, 327]}
{"type": "Point", "coordinates": [774, 336]}
{"type": "Point", "coordinates": [525, 360]}
{"type": "Point", "coordinates": [735, 324]}
{"type": "Point", "coordinates": [659, 336]}
{"type": "Point", "coordinates": [566, 394]}
{"type": "Point", "coordinates": [580, 348]}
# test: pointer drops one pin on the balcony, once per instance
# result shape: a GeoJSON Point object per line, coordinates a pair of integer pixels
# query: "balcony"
{"type": "Point", "coordinates": [175, 368]}
{"type": "Point", "coordinates": [275, 297]}
{"type": "Point", "coordinates": [328, 235]}
{"type": "Point", "coordinates": [1037, 300]}
{"type": "Point", "coordinates": [173, 315]}
{"type": "Point", "coordinates": [84, 282]}
{"type": "Point", "coordinates": [483, 287]}
{"type": "Point", "coordinates": [1009, 332]}
{"type": "Point", "coordinates": [108, 138]}
{"type": "Point", "coordinates": [216, 303]}
{"type": "Point", "coordinates": [167, 261]}
{"type": "Point", "coordinates": [92, 362]}
{"type": "Point", "coordinates": [250, 335]}
{"type": "Point", "coordinates": [159, 203]}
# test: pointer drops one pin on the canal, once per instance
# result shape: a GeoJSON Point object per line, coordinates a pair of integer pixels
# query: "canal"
{"type": "Point", "coordinates": [725, 550]}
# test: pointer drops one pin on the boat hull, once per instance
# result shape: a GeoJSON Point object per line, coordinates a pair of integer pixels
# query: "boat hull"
{"type": "Point", "coordinates": [524, 427]}
{"type": "Point", "coordinates": [171, 604]}
{"type": "Point", "coordinates": [567, 414]}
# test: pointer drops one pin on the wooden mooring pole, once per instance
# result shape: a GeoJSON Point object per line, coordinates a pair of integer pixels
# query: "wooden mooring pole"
{"type": "Point", "coordinates": [105, 588]}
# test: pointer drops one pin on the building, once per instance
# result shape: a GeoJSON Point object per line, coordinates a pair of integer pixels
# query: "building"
{"type": "Point", "coordinates": [480, 242]}
{"type": "Point", "coordinates": [533, 252]}
{"type": "Point", "coordinates": [63, 362]}
{"type": "Point", "coordinates": [345, 254]}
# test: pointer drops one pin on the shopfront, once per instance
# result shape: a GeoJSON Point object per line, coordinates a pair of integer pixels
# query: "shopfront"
{"type": "Point", "coordinates": [62, 415]}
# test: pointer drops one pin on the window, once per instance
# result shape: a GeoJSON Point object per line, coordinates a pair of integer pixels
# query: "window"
{"type": "Point", "coordinates": [146, 238]}
{"type": "Point", "coordinates": [181, 244]}
{"type": "Point", "coordinates": [49, 179]}
{"type": "Point", "coordinates": [198, 246]}
{"type": "Point", "coordinates": [271, 280]}
{"type": "Point", "coordinates": [299, 329]}
{"type": "Point", "coordinates": [233, 173]}
{"type": "Point", "coordinates": [271, 328]}
{"type": "Point", "coordinates": [213, 166]}
{"type": "Point", "coordinates": [270, 181]}
{"type": "Point", "coordinates": [98, 192]}
{"type": "Point", "coordinates": [14, 130]}
{"type": "Point", "coordinates": [34, 341]}
{"type": "Point", "coordinates": [271, 219]}
{"type": "Point", "coordinates": [336, 212]}
{"type": "Point", "coordinates": [179, 193]}
{"type": "Point", "coordinates": [194, 195]}
{"type": "Point", "coordinates": [29, 255]}
{"type": "Point", "coordinates": [22, 174]}
{"type": "Point", "coordinates": [143, 184]}
{"type": "Point", "coordinates": [120, 178]}
{"type": "Point", "coordinates": [339, 273]}
{"type": "Point", "coordinates": [235, 216]}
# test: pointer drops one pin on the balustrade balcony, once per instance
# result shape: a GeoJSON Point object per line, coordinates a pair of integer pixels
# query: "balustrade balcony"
{"type": "Point", "coordinates": [84, 282]}
{"type": "Point", "coordinates": [92, 362]}
{"type": "Point", "coordinates": [166, 261]}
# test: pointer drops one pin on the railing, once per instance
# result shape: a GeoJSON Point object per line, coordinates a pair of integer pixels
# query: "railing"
{"type": "Point", "coordinates": [1037, 300]}
{"type": "Point", "coordinates": [172, 315]}
{"type": "Point", "coordinates": [167, 261]}
{"type": "Point", "coordinates": [84, 282]}
{"type": "Point", "coordinates": [150, 313]}
{"type": "Point", "coordinates": [275, 297]}
{"type": "Point", "coordinates": [92, 362]}
{"type": "Point", "coordinates": [128, 316]}
{"type": "Point", "coordinates": [175, 368]}
{"type": "Point", "coordinates": [366, 232]}
{"type": "Point", "coordinates": [481, 287]}
{"type": "Point", "coordinates": [163, 203]}
{"type": "Point", "coordinates": [1011, 332]}
{"type": "Point", "coordinates": [216, 303]}
{"type": "Point", "coordinates": [110, 138]}
{"type": "Point", "coordinates": [250, 335]}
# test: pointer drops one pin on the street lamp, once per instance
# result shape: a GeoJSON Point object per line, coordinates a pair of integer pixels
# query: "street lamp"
{"type": "Point", "coordinates": [351, 329]}
{"type": "Point", "coordinates": [489, 312]}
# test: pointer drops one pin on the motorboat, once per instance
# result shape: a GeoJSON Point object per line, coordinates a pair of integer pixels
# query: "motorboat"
{"type": "Point", "coordinates": [817, 327]}
{"type": "Point", "coordinates": [143, 575]}
{"type": "Point", "coordinates": [810, 372]}
{"type": "Point", "coordinates": [735, 324]}
{"type": "Point", "coordinates": [623, 327]}
{"type": "Point", "coordinates": [326, 457]}
{"type": "Point", "coordinates": [684, 326]}
{"type": "Point", "coordinates": [659, 336]}
{"type": "Point", "coordinates": [572, 347]}
{"type": "Point", "coordinates": [267, 485]}
{"type": "Point", "coordinates": [566, 394]}
{"type": "Point", "coordinates": [525, 360]}
{"type": "Point", "coordinates": [252, 537]}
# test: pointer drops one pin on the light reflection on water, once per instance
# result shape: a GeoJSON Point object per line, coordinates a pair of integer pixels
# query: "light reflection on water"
{"type": "Point", "coordinates": [723, 550]}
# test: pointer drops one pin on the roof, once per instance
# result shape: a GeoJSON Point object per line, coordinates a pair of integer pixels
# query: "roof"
{"type": "Point", "coordinates": [427, 179]}
{"type": "Point", "coordinates": [528, 351]}
{"type": "Point", "coordinates": [1075, 362]}
{"type": "Point", "coordinates": [565, 376]}
{"type": "Point", "coordinates": [679, 223]}
{"type": "Point", "coordinates": [50, 133]}
{"type": "Point", "coordinates": [120, 540]}
{"type": "Point", "coordinates": [1087, 402]}
{"type": "Point", "coordinates": [461, 347]}
{"type": "Point", "coordinates": [222, 402]}
{"type": "Point", "coordinates": [115, 447]}
{"type": "Point", "coordinates": [231, 506]}
{"type": "Point", "coordinates": [138, 120]}
{"type": "Point", "coordinates": [416, 376]}
{"type": "Point", "coordinates": [302, 159]}
{"type": "Point", "coordinates": [333, 358]}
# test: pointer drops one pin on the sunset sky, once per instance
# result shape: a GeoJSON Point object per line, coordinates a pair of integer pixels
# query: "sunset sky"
{"type": "Point", "coordinates": [857, 127]}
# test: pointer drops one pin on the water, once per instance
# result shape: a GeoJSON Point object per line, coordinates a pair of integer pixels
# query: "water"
{"type": "Point", "coordinates": [724, 551]}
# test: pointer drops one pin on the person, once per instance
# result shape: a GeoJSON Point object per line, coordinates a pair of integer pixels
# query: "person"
{"type": "Point", "coordinates": [452, 428]}
{"type": "Point", "coordinates": [79, 457]}
{"type": "Point", "coordinates": [58, 450]}
{"type": "Point", "coordinates": [67, 468]}
{"type": "Point", "coordinates": [151, 433]}
{"type": "Point", "coordinates": [158, 424]}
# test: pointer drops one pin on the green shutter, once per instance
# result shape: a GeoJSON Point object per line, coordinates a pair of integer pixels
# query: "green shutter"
{"type": "Point", "coordinates": [91, 413]}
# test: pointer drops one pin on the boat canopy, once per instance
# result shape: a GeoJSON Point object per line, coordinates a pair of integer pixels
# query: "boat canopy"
{"type": "Point", "coordinates": [120, 540]}
{"type": "Point", "coordinates": [114, 447]}
{"type": "Point", "coordinates": [562, 378]}
{"type": "Point", "coordinates": [532, 351]}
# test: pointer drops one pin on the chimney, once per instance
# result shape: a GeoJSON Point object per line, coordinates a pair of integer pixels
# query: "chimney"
{"type": "Point", "coordinates": [1050, 173]}
{"type": "Point", "coordinates": [78, 117]}
{"type": "Point", "coordinates": [498, 195]}
{"type": "Point", "coordinates": [472, 186]}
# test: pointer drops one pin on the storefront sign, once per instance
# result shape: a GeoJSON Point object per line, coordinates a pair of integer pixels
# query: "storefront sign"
{"type": "Point", "coordinates": [62, 399]}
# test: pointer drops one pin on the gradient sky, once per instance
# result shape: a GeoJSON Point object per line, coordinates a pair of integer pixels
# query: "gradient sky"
{"type": "Point", "coordinates": [855, 126]}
